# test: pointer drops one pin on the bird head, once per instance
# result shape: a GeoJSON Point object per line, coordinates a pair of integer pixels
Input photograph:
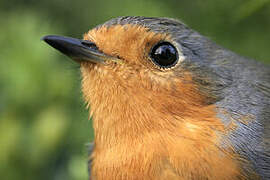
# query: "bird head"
{"type": "Point", "coordinates": [143, 74]}
{"type": "Point", "coordinates": [156, 90]}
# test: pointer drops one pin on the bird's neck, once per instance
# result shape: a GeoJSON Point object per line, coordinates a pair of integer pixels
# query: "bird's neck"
{"type": "Point", "coordinates": [145, 134]}
{"type": "Point", "coordinates": [123, 119]}
{"type": "Point", "coordinates": [125, 110]}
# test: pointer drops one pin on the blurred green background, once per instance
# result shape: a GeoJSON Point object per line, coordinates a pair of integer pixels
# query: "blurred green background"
{"type": "Point", "coordinates": [44, 125]}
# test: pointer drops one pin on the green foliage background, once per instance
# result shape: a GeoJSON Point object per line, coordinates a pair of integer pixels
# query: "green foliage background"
{"type": "Point", "coordinates": [44, 126]}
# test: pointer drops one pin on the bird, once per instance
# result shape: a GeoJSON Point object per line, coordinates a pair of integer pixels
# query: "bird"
{"type": "Point", "coordinates": [169, 103]}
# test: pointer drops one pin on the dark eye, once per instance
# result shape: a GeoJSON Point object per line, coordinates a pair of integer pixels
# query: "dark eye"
{"type": "Point", "coordinates": [164, 54]}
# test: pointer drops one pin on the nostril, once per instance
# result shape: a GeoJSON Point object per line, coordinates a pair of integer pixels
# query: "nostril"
{"type": "Point", "coordinates": [90, 44]}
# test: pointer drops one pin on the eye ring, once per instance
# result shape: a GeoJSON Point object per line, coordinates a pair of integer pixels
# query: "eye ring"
{"type": "Point", "coordinates": [164, 55]}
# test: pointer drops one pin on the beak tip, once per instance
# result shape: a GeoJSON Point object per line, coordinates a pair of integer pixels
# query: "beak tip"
{"type": "Point", "coordinates": [75, 48]}
{"type": "Point", "coordinates": [47, 39]}
{"type": "Point", "coordinates": [43, 38]}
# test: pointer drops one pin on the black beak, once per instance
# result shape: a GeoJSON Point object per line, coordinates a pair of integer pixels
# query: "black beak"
{"type": "Point", "coordinates": [76, 49]}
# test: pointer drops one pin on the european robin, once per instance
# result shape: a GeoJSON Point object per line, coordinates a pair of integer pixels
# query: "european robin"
{"type": "Point", "coordinates": [168, 103]}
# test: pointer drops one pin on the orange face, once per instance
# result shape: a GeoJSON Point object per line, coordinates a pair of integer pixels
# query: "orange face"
{"type": "Point", "coordinates": [136, 92]}
{"type": "Point", "coordinates": [131, 43]}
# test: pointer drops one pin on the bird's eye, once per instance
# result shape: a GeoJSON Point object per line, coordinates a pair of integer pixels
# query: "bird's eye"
{"type": "Point", "coordinates": [164, 54]}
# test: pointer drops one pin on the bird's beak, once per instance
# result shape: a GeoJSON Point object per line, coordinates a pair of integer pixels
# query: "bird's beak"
{"type": "Point", "coordinates": [78, 50]}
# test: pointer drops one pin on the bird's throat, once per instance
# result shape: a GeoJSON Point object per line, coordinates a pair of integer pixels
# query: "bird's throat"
{"type": "Point", "coordinates": [145, 134]}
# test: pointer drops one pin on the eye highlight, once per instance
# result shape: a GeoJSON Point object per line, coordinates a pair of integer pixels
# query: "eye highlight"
{"type": "Point", "coordinates": [164, 55]}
